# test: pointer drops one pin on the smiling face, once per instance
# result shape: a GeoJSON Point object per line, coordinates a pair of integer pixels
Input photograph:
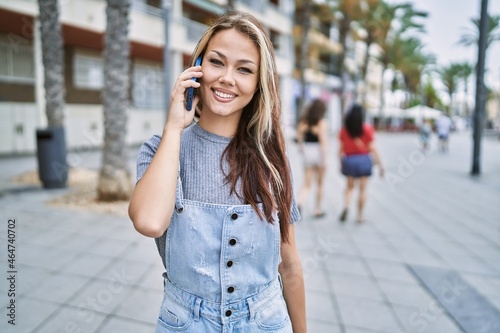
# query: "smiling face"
{"type": "Point", "coordinates": [230, 77]}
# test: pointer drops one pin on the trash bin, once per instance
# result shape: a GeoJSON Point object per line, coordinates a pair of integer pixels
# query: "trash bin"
{"type": "Point", "coordinates": [51, 155]}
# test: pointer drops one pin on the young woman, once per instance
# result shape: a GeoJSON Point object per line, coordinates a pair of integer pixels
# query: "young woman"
{"type": "Point", "coordinates": [356, 150]}
{"type": "Point", "coordinates": [217, 194]}
{"type": "Point", "coordinates": [312, 137]}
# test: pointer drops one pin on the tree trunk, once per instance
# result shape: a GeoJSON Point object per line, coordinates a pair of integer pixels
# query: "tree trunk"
{"type": "Point", "coordinates": [450, 108]}
{"type": "Point", "coordinates": [51, 142]}
{"type": "Point", "coordinates": [115, 179]}
{"type": "Point", "coordinates": [364, 71]}
{"type": "Point", "coordinates": [466, 94]}
{"type": "Point", "coordinates": [344, 27]}
{"type": "Point", "coordinates": [53, 61]}
{"type": "Point", "coordinates": [381, 116]}
{"type": "Point", "coordinates": [304, 54]}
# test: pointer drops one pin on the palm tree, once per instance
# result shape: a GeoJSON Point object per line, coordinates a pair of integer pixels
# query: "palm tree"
{"type": "Point", "coordinates": [53, 61]}
{"type": "Point", "coordinates": [115, 179]}
{"type": "Point", "coordinates": [471, 37]}
{"type": "Point", "coordinates": [408, 62]}
{"type": "Point", "coordinates": [345, 12]}
{"type": "Point", "coordinates": [466, 70]}
{"type": "Point", "coordinates": [303, 61]}
{"type": "Point", "coordinates": [370, 24]}
{"type": "Point", "coordinates": [393, 21]}
{"type": "Point", "coordinates": [405, 57]}
{"type": "Point", "coordinates": [449, 76]}
{"type": "Point", "coordinates": [382, 19]}
{"type": "Point", "coordinates": [430, 95]}
{"type": "Point", "coordinates": [51, 143]}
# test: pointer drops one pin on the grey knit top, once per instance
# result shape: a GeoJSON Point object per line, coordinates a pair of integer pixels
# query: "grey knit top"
{"type": "Point", "coordinates": [200, 170]}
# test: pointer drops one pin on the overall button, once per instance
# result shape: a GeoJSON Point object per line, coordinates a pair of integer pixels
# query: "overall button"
{"type": "Point", "coordinates": [230, 290]}
{"type": "Point", "coordinates": [180, 210]}
{"type": "Point", "coordinates": [234, 216]}
{"type": "Point", "coordinates": [229, 313]}
{"type": "Point", "coordinates": [232, 241]}
{"type": "Point", "coordinates": [229, 263]}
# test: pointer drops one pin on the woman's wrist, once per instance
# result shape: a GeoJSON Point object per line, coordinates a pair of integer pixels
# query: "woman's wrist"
{"type": "Point", "coordinates": [172, 129]}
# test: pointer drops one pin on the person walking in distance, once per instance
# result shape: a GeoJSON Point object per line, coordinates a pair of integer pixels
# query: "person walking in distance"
{"type": "Point", "coordinates": [312, 136]}
{"type": "Point", "coordinates": [356, 150]}
{"type": "Point", "coordinates": [216, 192]}
{"type": "Point", "coordinates": [425, 134]}
{"type": "Point", "coordinates": [443, 128]}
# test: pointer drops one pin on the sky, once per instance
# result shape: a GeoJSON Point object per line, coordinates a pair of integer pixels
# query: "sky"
{"type": "Point", "coordinates": [447, 20]}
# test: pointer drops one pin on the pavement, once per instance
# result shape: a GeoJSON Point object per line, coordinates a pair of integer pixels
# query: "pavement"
{"type": "Point", "coordinates": [427, 260]}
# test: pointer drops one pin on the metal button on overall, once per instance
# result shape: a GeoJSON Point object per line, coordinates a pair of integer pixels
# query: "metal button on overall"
{"type": "Point", "coordinates": [229, 263]}
{"type": "Point", "coordinates": [232, 241]}
{"type": "Point", "coordinates": [229, 313]}
{"type": "Point", "coordinates": [230, 290]}
{"type": "Point", "coordinates": [234, 216]}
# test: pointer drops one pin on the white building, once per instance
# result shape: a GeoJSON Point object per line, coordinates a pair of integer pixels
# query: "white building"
{"type": "Point", "coordinates": [83, 25]}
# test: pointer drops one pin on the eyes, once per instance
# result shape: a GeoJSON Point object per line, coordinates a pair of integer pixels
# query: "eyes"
{"type": "Point", "coordinates": [242, 69]}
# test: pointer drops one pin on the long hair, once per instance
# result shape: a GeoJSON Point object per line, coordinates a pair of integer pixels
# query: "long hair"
{"type": "Point", "coordinates": [353, 121]}
{"type": "Point", "coordinates": [314, 113]}
{"type": "Point", "coordinates": [256, 155]}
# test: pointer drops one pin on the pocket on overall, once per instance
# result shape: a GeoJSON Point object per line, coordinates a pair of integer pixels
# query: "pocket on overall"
{"type": "Point", "coordinates": [173, 316]}
{"type": "Point", "coordinates": [273, 315]}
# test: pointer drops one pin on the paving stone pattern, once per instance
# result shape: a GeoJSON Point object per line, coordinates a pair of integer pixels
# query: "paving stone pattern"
{"type": "Point", "coordinates": [428, 221]}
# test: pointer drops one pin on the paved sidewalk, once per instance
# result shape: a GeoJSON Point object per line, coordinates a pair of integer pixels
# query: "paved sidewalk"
{"type": "Point", "coordinates": [427, 259]}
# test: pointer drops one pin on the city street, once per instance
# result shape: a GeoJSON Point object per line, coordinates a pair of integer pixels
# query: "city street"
{"type": "Point", "coordinates": [427, 259]}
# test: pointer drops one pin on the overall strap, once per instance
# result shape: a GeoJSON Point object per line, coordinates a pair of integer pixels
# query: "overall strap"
{"type": "Point", "coordinates": [161, 241]}
{"type": "Point", "coordinates": [179, 194]}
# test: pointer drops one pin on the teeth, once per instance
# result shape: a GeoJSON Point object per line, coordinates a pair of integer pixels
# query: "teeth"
{"type": "Point", "coordinates": [223, 95]}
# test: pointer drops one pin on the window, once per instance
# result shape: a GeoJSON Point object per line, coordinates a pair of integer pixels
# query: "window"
{"type": "Point", "coordinates": [17, 64]}
{"type": "Point", "coordinates": [147, 90]}
{"type": "Point", "coordinates": [88, 72]}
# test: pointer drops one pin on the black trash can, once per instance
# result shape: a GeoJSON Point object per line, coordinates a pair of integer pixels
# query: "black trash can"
{"type": "Point", "coordinates": [51, 154]}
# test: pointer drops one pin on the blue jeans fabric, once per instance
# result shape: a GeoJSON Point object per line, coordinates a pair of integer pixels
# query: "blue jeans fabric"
{"type": "Point", "coordinates": [357, 165]}
{"type": "Point", "coordinates": [263, 312]}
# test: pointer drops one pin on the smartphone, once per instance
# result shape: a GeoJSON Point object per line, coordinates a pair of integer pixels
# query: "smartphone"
{"type": "Point", "coordinates": [190, 90]}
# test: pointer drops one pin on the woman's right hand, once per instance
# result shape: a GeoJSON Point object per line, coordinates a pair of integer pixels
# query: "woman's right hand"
{"type": "Point", "coordinates": [178, 116]}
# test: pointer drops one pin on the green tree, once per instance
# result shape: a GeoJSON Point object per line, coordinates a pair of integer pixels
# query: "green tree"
{"type": "Point", "coordinates": [471, 37]}
{"type": "Point", "coordinates": [396, 20]}
{"type": "Point", "coordinates": [345, 12]}
{"type": "Point", "coordinates": [430, 95]}
{"type": "Point", "coordinates": [466, 70]}
{"type": "Point", "coordinates": [406, 58]}
{"type": "Point", "coordinates": [383, 21]}
{"type": "Point", "coordinates": [450, 76]}
{"type": "Point", "coordinates": [115, 178]}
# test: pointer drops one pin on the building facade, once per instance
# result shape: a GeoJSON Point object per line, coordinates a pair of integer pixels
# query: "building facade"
{"type": "Point", "coordinates": [83, 22]}
{"type": "Point", "coordinates": [322, 74]}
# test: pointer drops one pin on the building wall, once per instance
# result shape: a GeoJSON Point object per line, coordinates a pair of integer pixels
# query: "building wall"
{"type": "Point", "coordinates": [83, 24]}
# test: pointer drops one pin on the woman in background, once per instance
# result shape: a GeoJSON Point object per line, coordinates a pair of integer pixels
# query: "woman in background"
{"type": "Point", "coordinates": [356, 150]}
{"type": "Point", "coordinates": [312, 138]}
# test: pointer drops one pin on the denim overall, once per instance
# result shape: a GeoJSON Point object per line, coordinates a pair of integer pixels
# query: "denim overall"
{"type": "Point", "coordinates": [222, 271]}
